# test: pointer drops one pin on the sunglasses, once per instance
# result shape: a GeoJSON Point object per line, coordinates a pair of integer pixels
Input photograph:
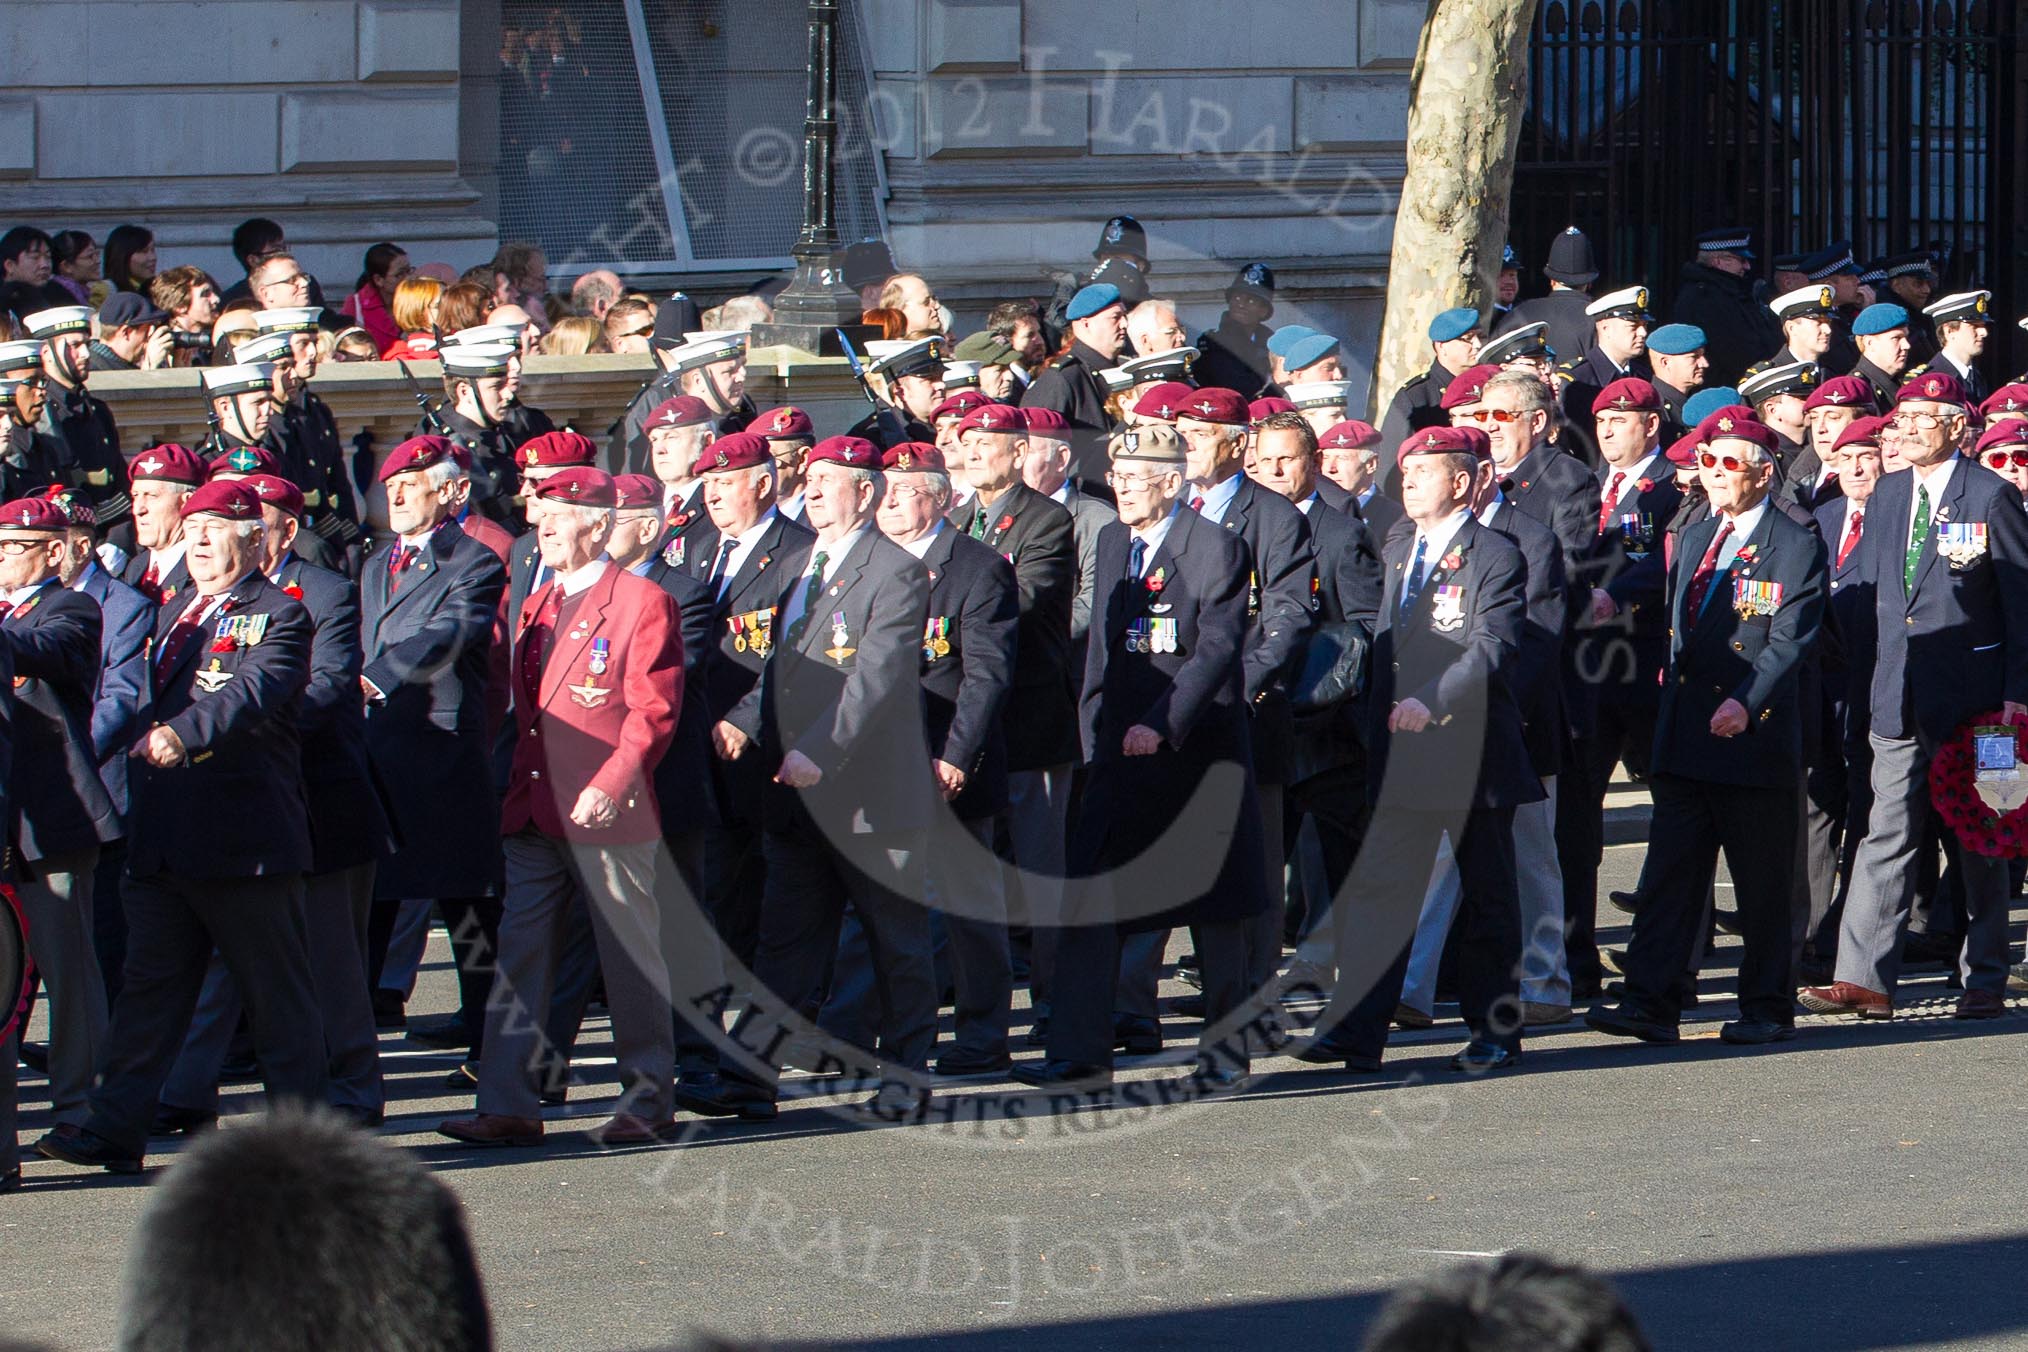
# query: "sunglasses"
{"type": "Point", "coordinates": [1499, 415]}
{"type": "Point", "coordinates": [1731, 464]}
{"type": "Point", "coordinates": [2001, 459]}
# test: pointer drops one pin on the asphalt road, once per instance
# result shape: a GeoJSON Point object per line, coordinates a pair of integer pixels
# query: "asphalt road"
{"type": "Point", "coordinates": [1857, 1188]}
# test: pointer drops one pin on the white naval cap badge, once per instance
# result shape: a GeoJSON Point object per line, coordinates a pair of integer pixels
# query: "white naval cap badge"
{"type": "Point", "coordinates": [1824, 296]}
{"type": "Point", "coordinates": [1641, 297]}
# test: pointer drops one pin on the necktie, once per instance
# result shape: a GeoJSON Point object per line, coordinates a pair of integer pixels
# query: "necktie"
{"type": "Point", "coordinates": [1411, 586]}
{"type": "Point", "coordinates": [1915, 534]}
{"type": "Point", "coordinates": [397, 564]}
{"type": "Point", "coordinates": [7, 607]}
{"type": "Point", "coordinates": [1196, 502]}
{"type": "Point", "coordinates": [1610, 500]}
{"type": "Point", "coordinates": [1852, 536]}
{"type": "Point", "coordinates": [151, 584]}
{"type": "Point", "coordinates": [1707, 568]}
{"type": "Point", "coordinates": [181, 635]}
{"type": "Point", "coordinates": [535, 643]}
{"type": "Point", "coordinates": [1137, 559]}
{"type": "Point", "coordinates": [813, 591]}
{"type": "Point", "coordinates": [979, 522]}
{"type": "Point", "coordinates": [718, 569]}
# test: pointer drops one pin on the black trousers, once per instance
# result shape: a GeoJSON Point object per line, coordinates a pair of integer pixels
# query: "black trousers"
{"type": "Point", "coordinates": [1757, 830]}
{"type": "Point", "coordinates": [256, 924]}
{"type": "Point", "coordinates": [1625, 732]}
{"type": "Point", "coordinates": [109, 917]}
{"type": "Point", "coordinates": [1335, 800]}
{"type": "Point", "coordinates": [735, 877]}
{"type": "Point", "coordinates": [1088, 982]}
{"type": "Point", "coordinates": [1394, 869]}
{"type": "Point", "coordinates": [474, 926]}
{"type": "Point", "coordinates": [809, 885]}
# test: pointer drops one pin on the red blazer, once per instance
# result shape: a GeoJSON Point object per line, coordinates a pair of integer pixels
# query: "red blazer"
{"type": "Point", "coordinates": [608, 729]}
{"type": "Point", "coordinates": [494, 536]}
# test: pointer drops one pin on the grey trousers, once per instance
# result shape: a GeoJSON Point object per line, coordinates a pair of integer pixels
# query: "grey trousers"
{"type": "Point", "coordinates": [616, 884]}
{"type": "Point", "coordinates": [1883, 881]}
{"type": "Point", "coordinates": [58, 904]}
{"type": "Point", "coordinates": [335, 909]}
{"type": "Point", "coordinates": [1038, 824]}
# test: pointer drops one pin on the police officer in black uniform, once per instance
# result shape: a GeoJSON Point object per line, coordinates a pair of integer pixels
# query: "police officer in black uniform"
{"type": "Point", "coordinates": [1571, 270]}
{"type": "Point", "coordinates": [1234, 355]}
{"type": "Point", "coordinates": [1454, 343]}
{"type": "Point", "coordinates": [1717, 296]}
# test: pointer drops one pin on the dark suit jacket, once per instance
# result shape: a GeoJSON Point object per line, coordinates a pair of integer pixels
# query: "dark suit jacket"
{"type": "Point", "coordinates": [235, 808]}
{"type": "Point", "coordinates": [732, 662]}
{"type": "Point", "coordinates": [1621, 660]}
{"type": "Point", "coordinates": [968, 666]}
{"type": "Point", "coordinates": [1380, 513]}
{"type": "Point", "coordinates": [127, 623]}
{"type": "Point", "coordinates": [348, 819]}
{"type": "Point", "coordinates": [1460, 656]}
{"type": "Point", "coordinates": [846, 692]}
{"type": "Point", "coordinates": [172, 586]}
{"type": "Point", "coordinates": [427, 649]}
{"type": "Point", "coordinates": [683, 786]}
{"type": "Point", "coordinates": [1560, 491]}
{"type": "Point", "coordinates": [60, 804]}
{"type": "Point", "coordinates": [1281, 607]}
{"type": "Point", "coordinates": [1348, 590]}
{"type": "Point", "coordinates": [1847, 642]}
{"type": "Point", "coordinates": [1538, 681]}
{"type": "Point", "coordinates": [1035, 534]}
{"type": "Point", "coordinates": [1194, 697]}
{"type": "Point", "coordinates": [1955, 647]}
{"type": "Point", "coordinates": [1070, 385]}
{"type": "Point", "coordinates": [1720, 654]}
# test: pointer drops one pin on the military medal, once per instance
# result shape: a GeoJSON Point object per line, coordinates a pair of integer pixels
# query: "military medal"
{"type": "Point", "coordinates": [736, 624]}
{"type": "Point", "coordinates": [1637, 532]}
{"type": "Point", "coordinates": [601, 651]}
{"type": "Point", "coordinates": [672, 553]}
{"type": "Point", "coordinates": [1447, 609]}
{"type": "Point", "coordinates": [1252, 595]}
{"type": "Point", "coordinates": [935, 643]}
{"type": "Point", "coordinates": [1751, 598]}
{"type": "Point", "coordinates": [840, 639]}
{"type": "Point", "coordinates": [761, 639]}
{"type": "Point", "coordinates": [1961, 543]}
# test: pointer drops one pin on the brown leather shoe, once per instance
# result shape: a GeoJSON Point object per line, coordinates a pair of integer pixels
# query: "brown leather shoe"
{"type": "Point", "coordinates": [493, 1129]}
{"type": "Point", "coordinates": [1842, 997]}
{"type": "Point", "coordinates": [1980, 1005]}
{"type": "Point", "coordinates": [627, 1129]}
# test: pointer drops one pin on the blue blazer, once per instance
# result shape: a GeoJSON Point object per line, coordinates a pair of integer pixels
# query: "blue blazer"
{"type": "Point", "coordinates": [1955, 646]}
{"type": "Point", "coordinates": [126, 623]}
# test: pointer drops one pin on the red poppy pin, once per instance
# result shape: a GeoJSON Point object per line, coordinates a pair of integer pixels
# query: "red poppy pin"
{"type": "Point", "coordinates": [223, 645]}
{"type": "Point", "coordinates": [293, 590]}
{"type": "Point", "coordinates": [1747, 556]}
{"type": "Point", "coordinates": [1005, 522]}
{"type": "Point", "coordinates": [1453, 561]}
{"type": "Point", "coordinates": [1157, 579]}
{"type": "Point", "coordinates": [1645, 485]}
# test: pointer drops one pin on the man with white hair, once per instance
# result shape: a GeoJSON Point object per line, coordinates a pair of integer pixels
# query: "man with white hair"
{"type": "Point", "coordinates": [220, 836]}
{"type": "Point", "coordinates": [595, 292]}
{"type": "Point", "coordinates": [1152, 327]}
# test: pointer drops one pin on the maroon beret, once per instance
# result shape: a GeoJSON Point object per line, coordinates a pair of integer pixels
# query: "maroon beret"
{"type": "Point", "coordinates": [1260, 410]}
{"type": "Point", "coordinates": [1164, 401]}
{"type": "Point", "coordinates": [999, 418]}
{"type": "Point", "coordinates": [76, 508]}
{"type": "Point", "coordinates": [229, 498]}
{"type": "Point", "coordinates": [556, 450]}
{"type": "Point", "coordinates": [36, 514]}
{"type": "Point", "coordinates": [245, 460]}
{"type": "Point", "coordinates": [1350, 435]}
{"type": "Point", "coordinates": [852, 452]}
{"type": "Point", "coordinates": [913, 456]}
{"type": "Point", "coordinates": [1842, 392]}
{"type": "Point", "coordinates": [579, 486]}
{"type": "Point", "coordinates": [1213, 404]}
{"type": "Point", "coordinates": [1048, 422]}
{"type": "Point", "coordinates": [1934, 387]}
{"type": "Point", "coordinates": [638, 490]}
{"type": "Point", "coordinates": [1729, 416]}
{"type": "Point", "coordinates": [1682, 452]}
{"type": "Point", "coordinates": [2008, 400]}
{"type": "Point", "coordinates": [1742, 429]}
{"type": "Point", "coordinates": [1861, 432]}
{"type": "Point", "coordinates": [275, 491]}
{"type": "Point", "coordinates": [683, 410]}
{"type": "Point", "coordinates": [169, 463]}
{"type": "Point", "coordinates": [787, 423]}
{"type": "Point", "coordinates": [1628, 394]}
{"type": "Point", "coordinates": [417, 453]}
{"type": "Point", "coordinates": [1446, 441]}
{"type": "Point", "coordinates": [961, 404]}
{"type": "Point", "coordinates": [741, 450]}
{"type": "Point", "coordinates": [1468, 386]}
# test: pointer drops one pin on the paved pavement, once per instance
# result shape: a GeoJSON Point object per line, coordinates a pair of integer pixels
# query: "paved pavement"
{"type": "Point", "coordinates": [1857, 1188]}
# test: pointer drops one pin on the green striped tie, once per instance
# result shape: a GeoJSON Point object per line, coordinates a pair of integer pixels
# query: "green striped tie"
{"type": "Point", "coordinates": [1915, 535]}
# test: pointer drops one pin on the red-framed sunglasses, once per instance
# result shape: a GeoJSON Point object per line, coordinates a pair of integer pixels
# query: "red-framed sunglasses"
{"type": "Point", "coordinates": [1731, 464]}
{"type": "Point", "coordinates": [2000, 459]}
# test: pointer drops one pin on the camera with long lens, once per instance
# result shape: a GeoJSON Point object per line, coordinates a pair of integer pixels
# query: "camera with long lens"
{"type": "Point", "coordinates": [195, 342]}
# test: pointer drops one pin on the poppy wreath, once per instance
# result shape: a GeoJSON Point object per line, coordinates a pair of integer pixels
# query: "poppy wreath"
{"type": "Point", "coordinates": [1953, 774]}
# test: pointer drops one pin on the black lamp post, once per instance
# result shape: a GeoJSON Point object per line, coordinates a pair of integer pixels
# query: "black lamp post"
{"type": "Point", "coordinates": [817, 302]}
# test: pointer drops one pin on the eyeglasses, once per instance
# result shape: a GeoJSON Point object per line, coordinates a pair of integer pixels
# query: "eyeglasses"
{"type": "Point", "coordinates": [1118, 480]}
{"type": "Point", "coordinates": [1731, 464]}
{"type": "Point", "coordinates": [16, 548]}
{"type": "Point", "coordinates": [1498, 415]}
{"type": "Point", "coordinates": [1925, 421]}
{"type": "Point", "coordinates": [2001, 459]}
{"type": "Point", "coordinates": [907, 492]}
{"type": "Point", "coordinates": [291, 280]}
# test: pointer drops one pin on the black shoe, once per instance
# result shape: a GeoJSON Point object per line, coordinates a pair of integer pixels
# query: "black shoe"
{"type": "Point", "coordinates": [1324, 1052]}
{"type": "Point", "coordinates": [239, 1070]}
{"type": "Point", "coordinates": [1137, 1035]}
{"type": "Point", "coordinates": [1727, 921]}
{"type": "Point", "coordinates": [171, 1120]}
{"type": "Point", "coordinates": [1630, 902]}
{"type": "Point", "coordinates": [1755, 1032]}
{"type": "Point", "coordinates": [1621, 1021]}
{"type": "Point", "coordinates": [1585, 990]}
{"type": "Point", "coordinates": [896, 1102]}
{"type": "Point", "coordinates": [446, 1033]}
{"type": "Point", "coordinates": [466, 1076]}
{"type": "Point", "coordinates": [1480, 1056]}
{"type": "Point", "coordinates": [715, 1096]}
{"type": "Point", "coordinates": [1190, 971]}
{"type": "Point", "coordinates": [1189, 1006]}
{"type": "Point", "coordinates": [1038, 1032]}
{"type": "Point", "coordinates": [35, 1055]}
{"type": "Point", "coordinates": [1618, 991]}
{"type": "Point", "coordinates": [1071, 1074]}
{"type": "Point", "coordinates": [1920, 950]}
{"type": "Point", "coordinates": [10, 1181]}
{"type": "Point", "coordinates": [1306, 981]}
{"type": "Point", "coordinates": [956, 1062]}
{"type": "Point", "coordinates": [363, 1118]}
{"type": "Point", "coordinates": [75, 1145]}
{"type": "Point", "coordinates": [556, 1097]}
{"type": "Point", "coordinates": [389, 1009]}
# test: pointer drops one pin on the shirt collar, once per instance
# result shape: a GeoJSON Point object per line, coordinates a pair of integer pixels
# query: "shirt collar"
{"type": "Point", "coordinates": [753, 532]}
{"type": "Point", "coordinates": [1640, 469]}
{"type": "Point", "coordinates": [162, 560]}
{"type": "Point", "coordinates": [1492, 507]}
{"type": "Point", "coordinates": [1062, 493]}
{"type": "Point", "coordinates": [1748, 521]}
{"type": "Point", "coordinates": [1218, 497]}
{"type": "Point", "coordinates": [281, 566]}
{"type": "Point", "coordinates": [921, 544]}
{"type": "Point", "coordinates": [1439, 537]}
{"type": "Point", "coordinates": [581, 579]}
{"type": "Point", "coordinates": [1936, 478]}
{"type": "Point", "coordinates": [21, 594]}
{"type": "Point", "coordinates": [1154, 535]}
{"type": "Point", "coordinates": [837, 549]}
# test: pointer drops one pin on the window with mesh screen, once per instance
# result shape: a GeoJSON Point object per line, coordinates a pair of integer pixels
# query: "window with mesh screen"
{"type": "Point", "coordinates": [669, 133]}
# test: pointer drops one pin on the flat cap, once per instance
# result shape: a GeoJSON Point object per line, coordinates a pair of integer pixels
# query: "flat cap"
{"type": "Point", "coordinates": [1155, 442]}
